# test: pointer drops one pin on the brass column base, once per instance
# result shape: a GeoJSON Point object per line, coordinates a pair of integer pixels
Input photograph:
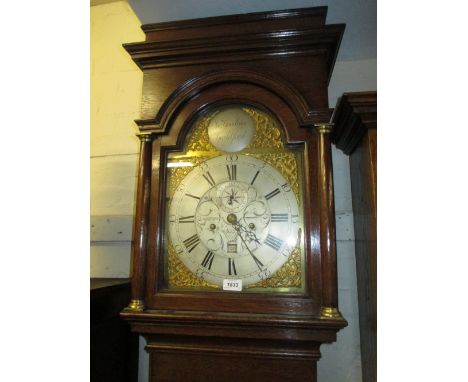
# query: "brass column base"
{"type": "Point", "coordinates": [331, 313]}
{"type": "Point", "coordinates": [136, 306]}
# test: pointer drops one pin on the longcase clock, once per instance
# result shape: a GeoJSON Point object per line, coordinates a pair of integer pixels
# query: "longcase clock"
{"type": "Point", "coordinates": [234, 258]}
{"type": "Point", "coordinates": [355, 133]}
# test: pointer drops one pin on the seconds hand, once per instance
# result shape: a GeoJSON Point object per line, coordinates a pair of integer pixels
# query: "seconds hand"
{"type": "Point", "coordinates": [231, 218]}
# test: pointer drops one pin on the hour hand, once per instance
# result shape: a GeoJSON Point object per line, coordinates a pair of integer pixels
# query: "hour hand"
{"type": "Point", "coordinates": [249, 234]}
{"type": "Point", "coordinates": [233, 220]}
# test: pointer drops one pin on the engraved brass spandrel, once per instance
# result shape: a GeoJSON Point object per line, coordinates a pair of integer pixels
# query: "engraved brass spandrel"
{"type": "Point", "coordinates": [286, 164]}
{"type": "Point", "coordinates": [180, 276]}
{"type": "Point", "coordinates": [267, 134]}
{"type": "Point", "coordinates": [198, 139]}
{"type": "Point", "coordinates": [177, 174]}
{"type": "Point", "coordinates": [288, 276]}
{"type": "Point", "coordinates": [198, 149]}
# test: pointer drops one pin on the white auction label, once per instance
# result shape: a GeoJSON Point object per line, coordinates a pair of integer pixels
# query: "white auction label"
{"type": "Point", "coordinates": [230, 284]}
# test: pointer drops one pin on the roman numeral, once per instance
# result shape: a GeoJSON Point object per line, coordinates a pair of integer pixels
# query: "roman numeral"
{"type": "Point", "coordinates": [186, 219]}
{"type": "Point", "coordinates": [209, 178]}
{"type": "Point", "coordinates": [232, 267]}
{"type": "Point", "coordinates": [272, 193]}
{"type": "Point", "coordinates": [232, 171]}
{"type": "Point", "coordinates": [191, 242]}
{"type": "Point", "coordinates": [208, 260]}
{"type": "Point", "coordinates": [279, 218]}
{"type": "Point", "coordinates": [255, 177]}
{"type": "Point", "coordinates": [273, 242]}
{"type": "Point", "coordinates": [192, 196]}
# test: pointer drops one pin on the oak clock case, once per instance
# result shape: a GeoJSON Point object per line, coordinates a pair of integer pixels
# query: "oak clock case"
{"type": "Point", "coordinates": [235, 186]}
{"type": "Point", "coordinates": [234, 206]}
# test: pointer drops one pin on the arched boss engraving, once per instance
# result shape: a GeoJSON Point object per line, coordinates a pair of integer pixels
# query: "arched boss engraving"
{"type": "Point", "coordinates": [231, 129]}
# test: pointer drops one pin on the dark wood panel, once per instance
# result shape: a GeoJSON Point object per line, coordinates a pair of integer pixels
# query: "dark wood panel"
{"type": "Point", "coordinates": [224, 359]}
{"type": "Point", "coordinates": [229, 325]}
{"type": "Point", "coordinates": [114, 349]}
{"type": "Point", "coordinates": [363, 187]}
{"type": "Point", "coordinates": [354, 115]}
{"type": "Point", "coordinates": [199, 366]}
{"type": "Point", "coordinates": [162, 84]}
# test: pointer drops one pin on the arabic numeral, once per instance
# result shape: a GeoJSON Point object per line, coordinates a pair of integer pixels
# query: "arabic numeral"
{"type": "Point", "coordinates": [264, 274]}
{"type": "Point", "coordinates": [231, 158]}
{"type": "Point", "coordinates": [200, 273]}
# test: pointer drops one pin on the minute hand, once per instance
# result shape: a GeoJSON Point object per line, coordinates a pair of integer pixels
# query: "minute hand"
{"type": "Point", "coordinates": [237, 227]}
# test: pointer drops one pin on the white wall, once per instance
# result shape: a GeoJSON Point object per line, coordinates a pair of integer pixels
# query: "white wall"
{"type": "Point", "coordinates": [115, 98]}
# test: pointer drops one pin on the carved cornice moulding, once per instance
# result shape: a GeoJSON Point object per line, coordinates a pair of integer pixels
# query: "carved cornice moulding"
{"type": "Point", "coordinates": [312, 16]}
{"type": "Point", "coordinates": [180, 43]}
{"type": "Point", "coordinates": [304, 113]}
{"type": "Point", "coordinates": [354, 114]}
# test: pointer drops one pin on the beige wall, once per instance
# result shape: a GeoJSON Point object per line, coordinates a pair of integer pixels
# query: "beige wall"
{"type": "Point", "coordinates": [116, 84]}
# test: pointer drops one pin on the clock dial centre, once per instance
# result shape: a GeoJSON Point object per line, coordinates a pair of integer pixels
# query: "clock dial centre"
{"type": "Point", "coordinates": [224, 218]}
{"type": "Point", "coordinates": [231, 218]}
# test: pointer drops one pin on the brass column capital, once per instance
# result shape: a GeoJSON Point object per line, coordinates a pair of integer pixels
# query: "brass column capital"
{"type": "Point", "coordinates": [145, 137]}
{"type": "Point", "coordinates": [324, 128]}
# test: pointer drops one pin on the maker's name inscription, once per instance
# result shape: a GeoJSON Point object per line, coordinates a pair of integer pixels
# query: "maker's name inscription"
{"type": "Point", "coordinates": [231, 130]}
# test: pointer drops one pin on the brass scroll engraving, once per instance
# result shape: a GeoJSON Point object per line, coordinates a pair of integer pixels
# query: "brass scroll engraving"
{"type": "Point", "coordinates": [180, 276]}
{"type": "Point", "coordinates": [289, 275]}
{"type": "Point", "coordinates": [268, 139]}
